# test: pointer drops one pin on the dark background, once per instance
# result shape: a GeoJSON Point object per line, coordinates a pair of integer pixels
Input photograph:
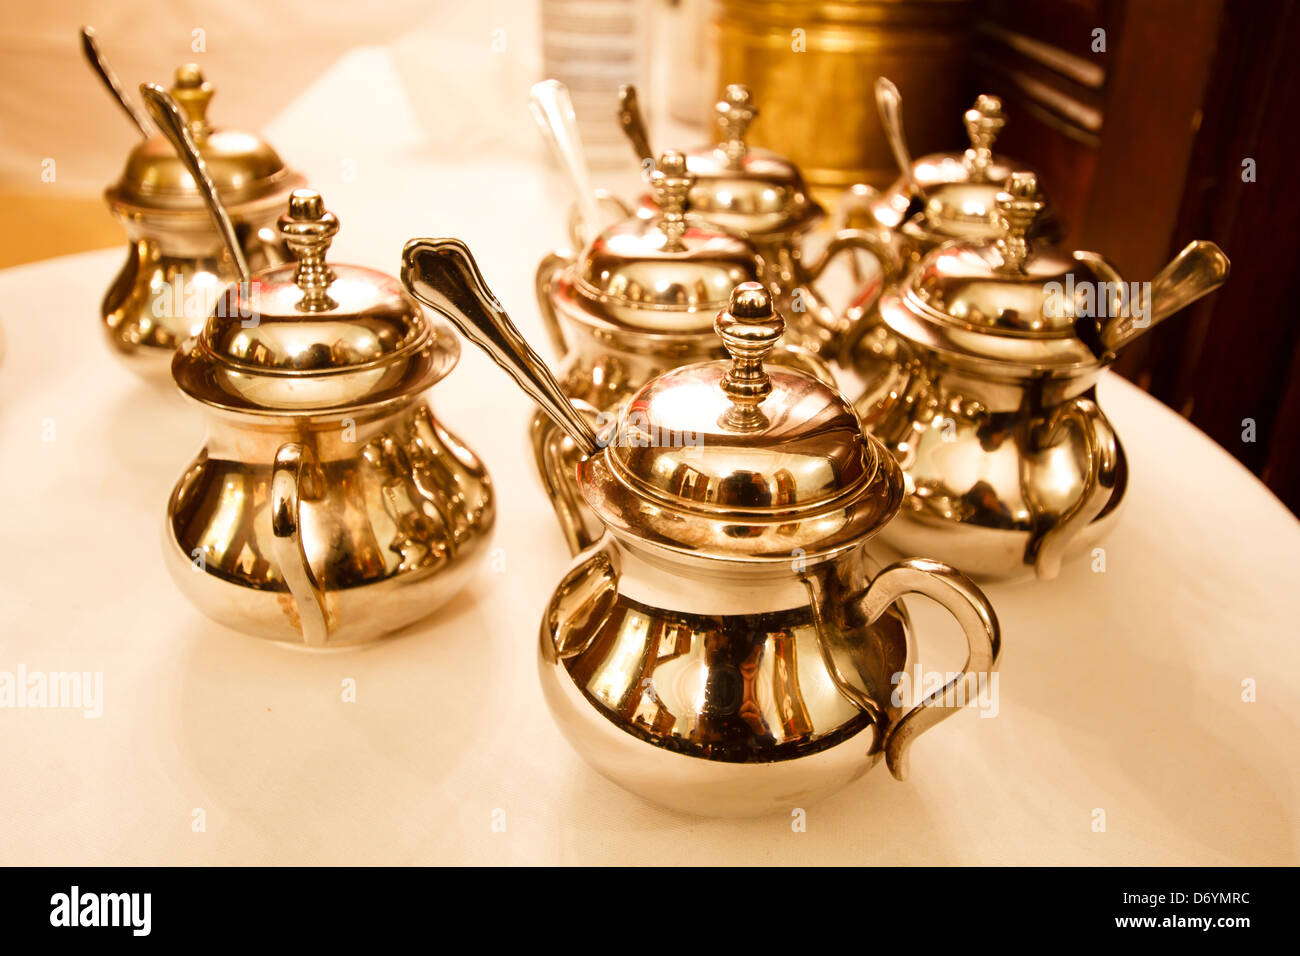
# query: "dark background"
{"type": "Point", "coordinates": [1141, 148]}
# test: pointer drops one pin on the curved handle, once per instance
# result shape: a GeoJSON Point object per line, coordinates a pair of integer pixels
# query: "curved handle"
{"type": "Point", "coordinates": [99, 63]}
{"type": "Point", "coordinates": [837, 326]}
{"type": "Point", "coordinates": [967, 603]}
{"type": "Point", "coordinates": [854, 206]}
{"type": "Point", "coordinates": [290, 483]}
{"type": "Point", "coordinates": [544, 284]}
{"type": "Point", "coordinates": [1198, 270]}
{"type": "Point", "coordinates": [860, 240]}
{"type": "Point", "coordinates": [172, 122]}
{"type": "Point", "coordinates": [552, 108]}
{"type": "Point", "coordinates": [1081, 416]}
{"type": "Point", "coordinates": [443, 275]}
{"type": "Point", "coordinates": [633, 123]}
{"type": "Point", "coordinates": [557, 460]}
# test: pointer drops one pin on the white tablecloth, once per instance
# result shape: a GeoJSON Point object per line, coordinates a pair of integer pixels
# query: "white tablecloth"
{"type": "Point", "coordinates": [1120, 691]}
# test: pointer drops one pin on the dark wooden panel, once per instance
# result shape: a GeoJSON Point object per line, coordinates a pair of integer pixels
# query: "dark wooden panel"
{"type": "Point", "coordinates": [1282, 471]}
{"type": "Point", "coordinates": [1067, 168]}
{"type": "Point", "coordinates": [1155, 87]}
{"type": "Point", "coordinates": [1053, 86]}
{"type": "Point", "coordinates": [1065, 24]}
{"type": "Point", "coordinates": [1235, 356]}
{"type": "Point", "coordinates": [1189, 89]}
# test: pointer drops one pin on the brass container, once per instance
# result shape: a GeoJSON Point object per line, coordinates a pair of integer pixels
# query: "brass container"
{"type": "Point", "coordinates": [990, 404]}
{"type": "Point", "coordinates": [760, 196]}
{"type": "Point", "coordinates": [640, 297]}
{"type": "Point", "coordinates": [812, 66]}
{"type": "Point", "coordinates": [938, 198]}
{"type": "Point", "coordinates": [637, 301]}
{"type": "Point", "coordinates": [328, 506]}
{"type": "Point", "coordinates": [176, 265]}
{"type": "Point", "coordinates": [727, 647]}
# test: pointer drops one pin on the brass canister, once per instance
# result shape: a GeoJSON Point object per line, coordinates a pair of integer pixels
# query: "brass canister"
{"type": "Point", "coordinates": [813, 65]}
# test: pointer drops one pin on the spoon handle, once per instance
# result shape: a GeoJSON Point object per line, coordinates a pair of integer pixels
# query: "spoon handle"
{"type": "Point", "coordinates": [633, 123]}
{"type": "Point", "coordinates": [168, 116]}
{"type": "Point", "coordinates": [890, 104]}
{"type": "Point", "coordinates": [552, 108]}
{"type": "Point", "coordinates": [1196, 271]}
{"type": "Point", "coordinates": [99, 63]}
{"type": "Point", "coordinates": [443, 275]}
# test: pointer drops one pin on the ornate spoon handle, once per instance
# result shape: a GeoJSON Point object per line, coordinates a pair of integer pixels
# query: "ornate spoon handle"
{"type": "Point", "coordinates": [443, 275]}
{"type": "Point", "coordinates": [169, 119]}
{"type": "Point", "coordinates": [99, 63]}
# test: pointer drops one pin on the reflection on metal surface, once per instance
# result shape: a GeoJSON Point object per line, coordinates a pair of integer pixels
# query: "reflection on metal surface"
{"type": "Point", "coordinates": [174, 252]}
{"type": "Point", "coordinates": [756, 700]}
{"type": "Point", "coordinates": [328, 505]}
{"type": "Point", "coordinates": [984, 389]}
{"type": "Point", "coordinates": [184, 137]}
{"type": "Point", "coordinates": [760, 197]}
{"type": "Point", "coordinates": [812, 66]}
{"type": "Point", "coordinates": [99, 63]}
{"type": "Point", "coordinates": [740, 688]}
{"type": "Point", "coordinates": [936, 199]}
{"type": "Point", "coordinates": [639, 301]}
{"type": "Point", "coordinates": [726, 644]}
{"type": "Point", "coordinates": [400, 519]}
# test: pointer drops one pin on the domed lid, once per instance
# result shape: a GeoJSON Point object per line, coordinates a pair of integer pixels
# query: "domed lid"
{"type": "Point", "coordinates": [960, 189]}
{"type": "Point", "coordinates": [1008, 298]}
{"type": "Point", "coordinates": [314, 336]}
{"type": "Point", "coordinates": [748, 192]}
{"type": "Point", "coordinates": [661, 273]}
{"type": "Point", "coordinates": [741, 460]}
{"type": "Point", "coordinates": [243, 167]}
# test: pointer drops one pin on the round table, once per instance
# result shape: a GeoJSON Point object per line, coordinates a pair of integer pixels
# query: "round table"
{"type": "Point", "coordinates": [1143, 717]}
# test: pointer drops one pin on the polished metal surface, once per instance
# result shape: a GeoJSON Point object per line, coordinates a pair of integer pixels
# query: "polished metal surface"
{"type": "Point", "coordinates": [552, 110]}
{"type": "Point", "coordinates": [328, 506]}
{"type": "Point", "coordinates": [291, 484]}
{"type": "Point", "coordinates": [167, 114]}
{"type": "Point", "coordinates": [662, 274]}
{"type": "Point", "coordinates": [760, 197]}
{"type": "Point", "coordinates": [936, 199]}
{"type": "Point", "coordinates": [889, 103]}
{"type": "Point", "coordinates": [243, 166]}
{"type": "Point", "coordinates": [177, 263]}
{"type": "Point", "coordinates": [639, 301]}
{"type": "Point", "coordinates": [729, 703]}
{"type": "Point", "coordinates": [99, 63]}
{"type": "Point", "coordinates": [959, 190]}
{"type": "Point", "coordinates": [812, 65]}
{"type": "Point", "coordinates": [736, 458]}
{"type": "Point", "coordinates": [984, 390]}
{"type": "Point", "coordinates": [378, 533]}
{"type": "Point", "coordinates": [726, 648]}
{"type": "Point", "coordinates": [719, 693]}
{"type": "Point", "coordinates": [314, 337]}
{"type": "Point", "coordinates": [749, 192]}
{"type": "Point", "coordinates": [656, 273]}
{"type": "Point", "coordinates": [443, 275]}
{"type": "Point", "coordinates": [739, 690]}
{"type": "Point", "coordinates": [1004, 286]}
